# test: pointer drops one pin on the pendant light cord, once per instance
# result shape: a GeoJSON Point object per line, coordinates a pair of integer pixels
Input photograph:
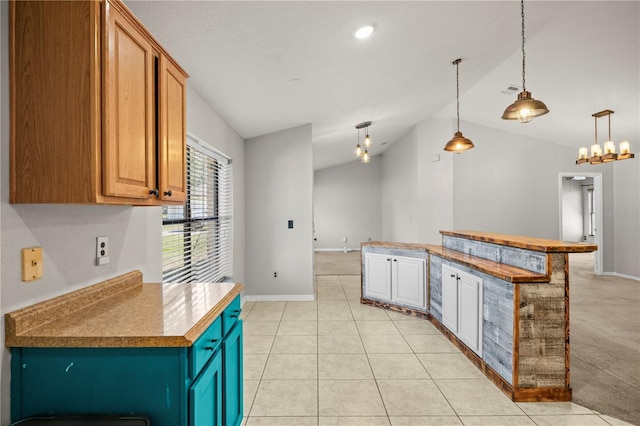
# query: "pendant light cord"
{"type": "Point", "coordinates": [523, 54]}
{"type": "Point", "coordinates": [457, 62]}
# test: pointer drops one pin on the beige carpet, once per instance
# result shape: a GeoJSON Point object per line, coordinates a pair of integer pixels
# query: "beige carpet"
{"type": "Point", "coordinates": [605, 333]}
{"type": "Point", "coordinates": [605, 340]}
{"type": "Point", "coordinates": [337, 263]}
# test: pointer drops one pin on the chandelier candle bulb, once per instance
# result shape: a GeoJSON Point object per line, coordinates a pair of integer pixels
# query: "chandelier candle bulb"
{"type": "Point", "coordinates": [624, 148]}
{"type": "Point", "coordinates": [596, 150]}
{"type": "Point", "coordinates": [582, 153]}
{"type": "Point", "coordinates": [609, 147]}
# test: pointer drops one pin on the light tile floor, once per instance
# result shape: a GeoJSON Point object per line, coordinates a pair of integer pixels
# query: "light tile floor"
{"type": "Point", "coordinates": [337, 362]}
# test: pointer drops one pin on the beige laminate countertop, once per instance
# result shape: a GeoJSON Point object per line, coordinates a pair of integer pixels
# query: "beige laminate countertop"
{"type": "Point", "coordinates": [122, 312]}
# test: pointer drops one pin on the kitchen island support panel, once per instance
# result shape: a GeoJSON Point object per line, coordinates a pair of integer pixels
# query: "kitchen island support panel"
{"type": "Point", "coordinates": [525, 321]}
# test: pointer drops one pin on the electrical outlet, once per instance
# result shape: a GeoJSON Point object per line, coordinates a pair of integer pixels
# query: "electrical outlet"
{"type": "Point", "coordinates": [275, 275]}
{"type": "Point", "coordinates": [102, 250]}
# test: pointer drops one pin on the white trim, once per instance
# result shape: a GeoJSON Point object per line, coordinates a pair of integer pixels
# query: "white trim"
{"type": "Point", "coordinates": [279, 298]}
{"type": "Point", "coordinates": [598, 188]}
{"type": "Point", "coordinates": [208, 149]}
{"type": "Point", "coordinates": [337, 249]}
{"type": "Point", "coordinates": [616, 274]}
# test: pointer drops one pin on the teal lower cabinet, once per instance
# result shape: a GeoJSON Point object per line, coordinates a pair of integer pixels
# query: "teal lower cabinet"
{"type": "Point", "coordinates": [232, 348]}
{"type": "Point", "coordinates": [199, 385]}
{"type": "Point", "coordinates": [205, 395]}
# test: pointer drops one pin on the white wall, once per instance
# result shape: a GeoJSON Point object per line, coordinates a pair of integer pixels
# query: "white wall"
{"type": "Point", "coordinates": [507, 184]}
{"type": "Point", "coordinates": [626, 215]}
{"type": "Point", "coordinates": [435, 180]}
{"type": "Point", "coordinates": [572, 211]}
{"type": "Point", "coordinates": [417, 185]}
{"type": "Point", "coordinates": [399, 190]}
{"type": "Point", "coordinates": [205, 123]}
{"type": "Point", "coordinates": [346, 203]}
{"type": "Point", "coordinates": [278, 188]}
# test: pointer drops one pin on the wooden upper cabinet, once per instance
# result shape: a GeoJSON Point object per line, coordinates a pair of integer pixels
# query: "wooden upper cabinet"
{"type": "Point", "coordinates": [97, 107]}
{"type": "Point", "coordinates": [172, 174]}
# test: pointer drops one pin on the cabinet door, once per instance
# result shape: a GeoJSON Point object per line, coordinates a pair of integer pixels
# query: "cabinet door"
{"type": "Point", "coordinates": [205, 395]}
{"type": "Point", "coordinates": [172, 174]}
{"type": "Point", "coordinates": [128, 145]}
{"type": "Point", "coordinates": [469, 311]}
{"type": "Point", "coordinates": [450, 298]}
{"type": "Point", "coordinates": [233, 390]}
{"type": "Point", "coordinates": [377, 275]}
{"type": "Point", "coordinates": [408, 284]}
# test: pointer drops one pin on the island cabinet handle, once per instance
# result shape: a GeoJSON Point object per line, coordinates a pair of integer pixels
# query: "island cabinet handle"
{"type": "Point", "coordinates": [395, 260]}
{"type": "Point", "coordinates": [453, 276]}
{"type": "Point", "coordinates": [208, 348]}
{"type": "Point", "coordinates": [388, 260]}
{"type": "Point", "coordinates": [214, 340]}
{"type": "Point", "coordinates": [153, 192]}
{"type": "Point", "coordinates": [168, 193]}
{"type": "Point", "coordinates": [234, 316]}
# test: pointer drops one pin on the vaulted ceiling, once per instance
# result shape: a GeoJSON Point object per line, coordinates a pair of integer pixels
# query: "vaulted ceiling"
{"type": "Point", "coordinates": [266, 66]}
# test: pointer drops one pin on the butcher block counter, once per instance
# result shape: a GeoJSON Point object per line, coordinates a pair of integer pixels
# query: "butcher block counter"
{"type": "Point", "coordinates": [503, 300]}
{"type": "Point", "coordinates": [170, 352]}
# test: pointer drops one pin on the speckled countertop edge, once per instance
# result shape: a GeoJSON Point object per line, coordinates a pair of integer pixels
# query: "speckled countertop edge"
{"type": "Point", "coordinates": [121, 312]}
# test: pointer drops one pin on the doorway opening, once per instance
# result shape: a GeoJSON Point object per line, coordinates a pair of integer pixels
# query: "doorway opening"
{"type": "Point", "coordinates": [580, 209]}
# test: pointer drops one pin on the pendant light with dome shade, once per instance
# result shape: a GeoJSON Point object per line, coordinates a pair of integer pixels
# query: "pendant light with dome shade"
{"type": "Point", "coordinates": [525, 107]}
{"type": "Point", "coordinates": [459, 143]}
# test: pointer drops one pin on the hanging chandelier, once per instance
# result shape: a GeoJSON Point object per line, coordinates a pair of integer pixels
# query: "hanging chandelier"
{"type": "Point", "coordinates": [609, 154]}
{"type": "Point", "coordinates": [362, 151]}
{"type": "Point", "coordinates": [459, 143]}
{"type": "Point", "coordinates": [525, 107]}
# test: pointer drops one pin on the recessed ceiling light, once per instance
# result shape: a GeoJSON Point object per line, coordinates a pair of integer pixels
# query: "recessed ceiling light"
{"type": "Point", "coordinates": [364, 32]}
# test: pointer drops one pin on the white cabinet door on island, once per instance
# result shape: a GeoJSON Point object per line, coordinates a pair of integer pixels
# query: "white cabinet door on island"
{"type": "Point", "coordinates": [377, 269]}
{"type": "Point", "coordinates": [397, 279]}
{"type": "Point", "coordinates": [462, 306]}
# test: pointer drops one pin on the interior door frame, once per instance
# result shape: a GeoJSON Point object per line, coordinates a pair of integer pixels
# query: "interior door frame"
{"type": "Point", "coordinates": [598, 200]}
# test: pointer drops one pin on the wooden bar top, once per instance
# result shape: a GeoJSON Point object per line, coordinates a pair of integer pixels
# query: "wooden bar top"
{"type": "Point", "coordinates": [121, 312]}
{"type": "Point", "coordinates": [528, 243]}
{"type": "Point", "coordinates": [498, 270]}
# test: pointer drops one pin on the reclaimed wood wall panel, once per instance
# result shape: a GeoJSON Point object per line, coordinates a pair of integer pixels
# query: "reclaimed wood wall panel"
{"type": "Point", "coordinates": [435, 287]}
{"type": "Point", "coordinates": [513, 256]}
{"type": "Point", "coordinates": [542, 340]}
{"type": "Point", "coordinates": [497, 333]}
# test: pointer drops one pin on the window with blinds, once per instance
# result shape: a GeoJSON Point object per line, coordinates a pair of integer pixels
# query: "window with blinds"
{"type": "Point", "coordinates": [196, 237]}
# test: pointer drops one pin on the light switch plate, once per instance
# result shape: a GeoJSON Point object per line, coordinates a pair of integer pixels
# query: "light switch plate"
{"type": "Point", "coordinates": [31, 263]}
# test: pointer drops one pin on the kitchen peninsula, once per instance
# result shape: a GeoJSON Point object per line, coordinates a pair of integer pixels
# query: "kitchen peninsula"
{"type": "Point", "coordinates": [170, 352]}
{"type": "Point", "coordinates": [503, 300]}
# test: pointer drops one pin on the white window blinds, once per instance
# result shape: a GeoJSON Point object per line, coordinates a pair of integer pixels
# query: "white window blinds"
{"type": "Point", "coordinates": [197, 243]}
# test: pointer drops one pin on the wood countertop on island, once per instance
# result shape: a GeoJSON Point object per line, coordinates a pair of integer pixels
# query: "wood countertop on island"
{"type": "Point", "coordinates": [529, 243]}
{"type": "Point", "coordinates": [121, 312]}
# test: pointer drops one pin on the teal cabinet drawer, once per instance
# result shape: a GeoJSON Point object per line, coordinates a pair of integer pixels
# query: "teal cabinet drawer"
{"type": "Point", "coordinates": [206, 345]}
{"type": "Point", "coordinates": [231, 315]}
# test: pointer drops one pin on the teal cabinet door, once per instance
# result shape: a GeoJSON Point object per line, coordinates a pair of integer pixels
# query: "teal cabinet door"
{"type": "Point", "coordinates": [205, 395]}
{"type": "Point", "coordinates": [232, 349]}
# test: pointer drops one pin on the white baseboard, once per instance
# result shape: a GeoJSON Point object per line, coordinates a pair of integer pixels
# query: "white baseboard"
{"type": "Point", "coordinates": [279, 298]}
{"type": "Point", "coordinates": [615, 274]}
{"type": "Point", "coordinates": [337, 249]}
